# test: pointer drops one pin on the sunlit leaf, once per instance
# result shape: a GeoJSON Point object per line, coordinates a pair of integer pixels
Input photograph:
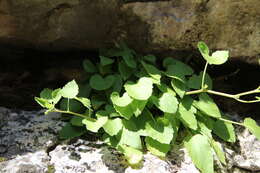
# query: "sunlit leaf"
{"type": "Point", "coordinates": [200, 152]}
{"type": "Point", "coordinates": [142, 90]}
{"type": "Point", "coordinates": [187, 117]}
{"type": "Point", "coordinates": [252, 127]}
{"type": "Point", "coordinates": [207, 106]}
{"type": "Point", "coordinates": [218, 150]}
{"type": "Point", "coordinates": [113, 126]}
{"type": "Point", "coordinates": [132, 155]}
{"type": "Point", "coordinates": [179, 87]}
{"type": "Point", "coordinates": [70, 90]}
{"type": "Point", "coordinates": [120, 101]}
{"type": "Point", "coordinates": [157, 148]}
{"type": "Point", "coordinates": [94, 125]}
{"type": "Point", "coordinates": [166, 103]}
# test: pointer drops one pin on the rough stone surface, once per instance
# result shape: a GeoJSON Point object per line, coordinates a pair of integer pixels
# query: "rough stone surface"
{"type": "Point", "coordinates": [146, 26]}
{"type": "Point", "coordinates": [37, 150]}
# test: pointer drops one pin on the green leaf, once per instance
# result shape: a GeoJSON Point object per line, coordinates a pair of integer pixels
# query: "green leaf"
{"type": "Point", "coordinates": [56, 96]}
{"type": "Point", "coordinates": [126, 112]}
{"type": "Point", "coordinates": [127, 55]}
{"type": "Point", "coordinates": [105, 61]}
{"type": "Point", "coordinates": [74, 105]}
{"type": "Point", "coordinates": [98, 83]}
{"type": "Point", "coordinates": [159, 132]}
{"type": "Point", "coordinates": [132, 155]}
{"type": "Point", "coordinates": [124, 70]}
{"type": "Point", "coordinates": [130, 136]}
{"type": "Point", "coordinates": [138, 106]}
{"type": "Point", "coordinates": [96, 103]}
{"type": "Point", "coordinates": [153, 72]}
{"type": "Point", "coordinates": [120, 101]}
{"type": "Point", "coordinates": [177, 69]}
{"type": "Point", "coordinates": [207, 106]}
{"type": "Point", "coordinates": [118, 84]}
{"type": "Point", "coordinates": [70, 90]}
{"type": "Point", "coordinates": [166, 103]}
{"type": "Point", "coordinates": [89, 66]}
{"type": "Point", "coordinates": [46, 94]}
{"type": "Point", "coordinates": [217, 58]}
{"type": "Point", "coordinates": [142, 90]}
{"type": "Point", "coordinates": [204, 50]}
{"type": "Point", "coordinates": [150, 58]}
{"type": "Point", "coordinates": [195, 81]}
{"type": "Point", "coordinates": [165, 89]}
{"type": "Point", "coordinates": [225, 131]}
{"type": "Point", "coordinates": [200, 152]}
{"type": "Point", "coordinates": [187, 117]}
{"type": "Point", "coordinates": [218, 150]}
{"type": "Point", "coordinates": [179, 87]}
{"type": "Point", "coordinates": [76, 121]}
{"type": "Point", "coordinates": [252, 127]}
{"type": "Point", "coordinates": [113, 126]}
{"type": "Point", "coordinates": [69, 131]}
{"type": "Point", "coordinates": [44, 103]}
{"type": "Point", "coordinates": [157, 148]}
{"type": "Point", "coordinates": [85, 101]}
{"type": "Point", "coordinates": [94, 125]}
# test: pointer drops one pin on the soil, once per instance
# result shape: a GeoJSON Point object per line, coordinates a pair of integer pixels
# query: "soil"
{"type": "Point", "coordinates": [23, 77]}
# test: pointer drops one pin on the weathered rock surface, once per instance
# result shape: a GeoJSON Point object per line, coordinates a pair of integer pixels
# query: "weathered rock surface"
{"type": "Point", "coordinates": [146, 26]}
{"type": "Point", "coordinates": [28, 142]}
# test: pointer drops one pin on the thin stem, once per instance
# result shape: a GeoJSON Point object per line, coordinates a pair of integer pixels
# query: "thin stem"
{"type": "Point", "coordinates": [68, 105]}
{"type": "Point", "coordinates": [69, 112]}
{"type": "Point", "coordinates": [231, 122]}
{"type": "Point", "coordinates": [203, 75]}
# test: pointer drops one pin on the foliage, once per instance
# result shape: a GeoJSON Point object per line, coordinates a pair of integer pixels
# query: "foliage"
{"type": "Point", "coordinates": [136, 105]}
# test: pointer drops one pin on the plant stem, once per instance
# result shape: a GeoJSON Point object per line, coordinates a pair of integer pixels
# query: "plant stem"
{"type": "Point", "coordinates": [231, 122]}
{"type": "Point", "coordinates": [68, 105]}
{"type": "Point", "coordinates": [203, 75]}
{"type": "Point", "coordinates": [69, 112]}
{"type": "Point", "coordinates": [233, 96]}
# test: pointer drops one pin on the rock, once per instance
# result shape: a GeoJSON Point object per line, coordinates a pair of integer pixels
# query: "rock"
{"type": "Point", "coordinates": [29, 143]}
{"type": "Point", "coordinates": [146, 26]}
{"type": "Point", "coordinates": [27, 131]}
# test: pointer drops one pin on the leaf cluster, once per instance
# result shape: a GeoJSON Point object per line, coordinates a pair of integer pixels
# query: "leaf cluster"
{"type": "Point", "coordinates": [137, 106]}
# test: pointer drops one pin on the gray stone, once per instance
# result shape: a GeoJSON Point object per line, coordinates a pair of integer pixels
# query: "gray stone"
{"type": "Point", "coordinates": [173, 25]}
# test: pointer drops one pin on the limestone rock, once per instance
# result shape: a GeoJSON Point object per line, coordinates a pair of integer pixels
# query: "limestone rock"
{"type": "Point", "coordinates": [174, 25]}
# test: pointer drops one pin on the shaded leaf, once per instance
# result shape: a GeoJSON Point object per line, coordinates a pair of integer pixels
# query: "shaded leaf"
{"type": "Point", "coordinates": [179, 87]}
{"type": "Point", "coordinates": [105, 61]}
{"type": "Point", "coordinates": [89, 66]}
{"type": "Point", "coordinates": [124, 70]}
{"type": "Point", "coordinates": [195, 81]}
{"type": "Point", "coordinates": [153, 72]}
{"type": "Point", "coordinates": [76, 121]}
{"type": "Point", "coordinates": [98, 83]}
{"type": "Point", "coordinates": [69, 131]}
{"type": "Point", "coordinates": [225, 131]}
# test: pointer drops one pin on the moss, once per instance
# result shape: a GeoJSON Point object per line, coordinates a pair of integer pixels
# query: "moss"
{"type": "Point", "coordinates": [51, 169]}
{"type": "Point", "coordinates": [2, 159]}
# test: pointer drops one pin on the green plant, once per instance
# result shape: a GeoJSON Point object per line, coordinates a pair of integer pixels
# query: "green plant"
{"type": "Point", "coordinates": [138, 106]}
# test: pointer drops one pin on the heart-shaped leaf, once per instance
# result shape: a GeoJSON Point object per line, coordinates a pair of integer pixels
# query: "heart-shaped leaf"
{"type": "Point", "coordinates": [124, 70]}
{"type": "Point", "coordinates": [150, 58]}
{"type": "Point", "coordinates": [252, 127]}
{"type": "Point", "coordinates": [120, 101]}
{"type": "Point", "coordinates": [142, 90]}
{"type": "Point", "coordinates": [98, 83]}
{"type": "Point", "coordinates": [69, 131]}
{"type": "Point", "coordinates": [179, 87]}
{"type": "Point", "coordinates": [70, 90]}
{"type": "Point", "coordinates": [187, 117]}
